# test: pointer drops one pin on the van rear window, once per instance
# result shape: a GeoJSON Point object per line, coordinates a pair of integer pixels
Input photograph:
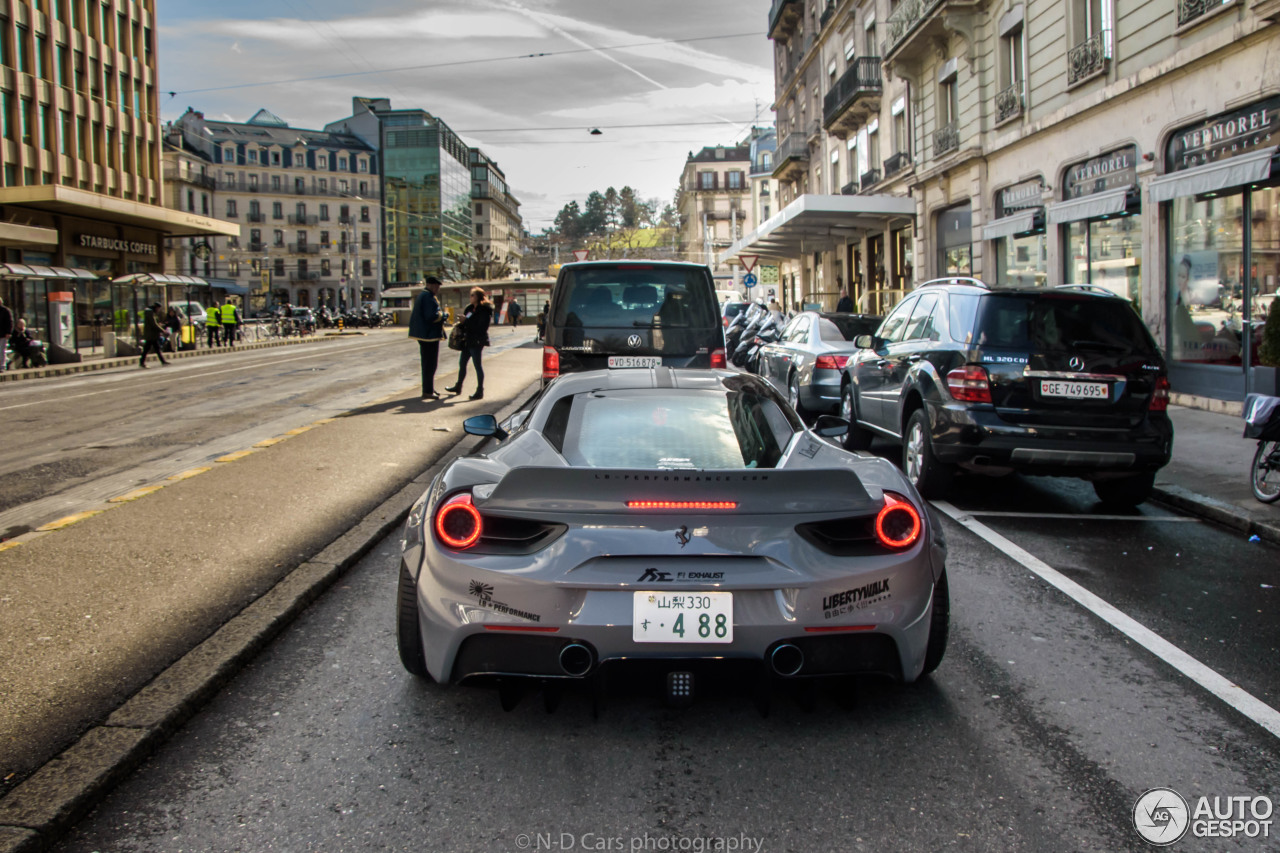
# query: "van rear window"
{"type": "Point", "coordinates": [630, 296]}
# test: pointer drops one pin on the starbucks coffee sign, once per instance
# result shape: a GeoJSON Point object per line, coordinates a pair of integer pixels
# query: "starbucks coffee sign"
{"type": "Point", "coordinates": [1111, 171]}
{"type": "Point", "coordinates": [1225, 135]}
{"type": "Point", "coordinates": [112, 244]}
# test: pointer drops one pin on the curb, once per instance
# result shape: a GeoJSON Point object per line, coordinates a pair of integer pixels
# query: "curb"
{"type": "Point", "coordinates": [22, 374]}
{"type": "Point", "coordinates": [36, 813]}
{"type": "Point", "coordinates": [1212, 509]}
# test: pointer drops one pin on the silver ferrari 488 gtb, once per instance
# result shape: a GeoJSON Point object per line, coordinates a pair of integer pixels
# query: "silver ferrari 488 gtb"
{"type": "Point", "coordinates": [677, 518]}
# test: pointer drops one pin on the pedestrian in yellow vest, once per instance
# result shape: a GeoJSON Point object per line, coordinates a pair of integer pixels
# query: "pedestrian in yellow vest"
{"type": "Point", "coordinates": [230, 321]}
{"type": "Point", "coordinates": [213, 324]}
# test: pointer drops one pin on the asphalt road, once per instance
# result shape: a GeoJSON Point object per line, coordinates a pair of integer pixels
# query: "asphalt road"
{"type": "Point", "coordinates": [1039, 732]}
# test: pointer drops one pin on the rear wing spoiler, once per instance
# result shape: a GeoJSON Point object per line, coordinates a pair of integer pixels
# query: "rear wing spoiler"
{"type": "Point", "coordinates": [607, 490]}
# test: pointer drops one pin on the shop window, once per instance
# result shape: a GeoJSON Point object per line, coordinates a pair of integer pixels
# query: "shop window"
{"type": "Point", "coordinates": [954, 241]}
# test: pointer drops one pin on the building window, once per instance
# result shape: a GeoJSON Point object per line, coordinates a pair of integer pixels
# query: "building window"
{"type": "Point", "coordinates": [955, 241]}
{"type": "Point", "coordinates": [252, 155]}
{"type": "Point", "coordinates": [366, 268]}
{"type": "Point", "coordinates": [277, 237]}
{"type": "Point", "coordinates": [300, 210]}
{"type": "Point", "coordinates": [278, 267]}
{"type": "Point", "coordinates": [735, 180]}
{"type": "Point", "coordinates": [228, 155]}
{"type": "Point", "coordinates": [707, 180]}
{"type": "Point", "coordinates": [324, 213]}
{"type": "Point", "coordinates": [364, 188]}
{"type": "Point", "coordinates": [948, 101]}
{"type": "Point", "coordinates": [275, 158]}
{"type": "Point", "coordinates": [277, 210]}
{"type": "Point", "coordinates": [322, 162]}
{"type": "Point", "coordinates": [275, 183]}
{"type": "Point", "coordinates": [342, 164]}
{"type": "Point", "coordinates": [364, 165]}
{"type": "Point", "coordinates": [231, 208]}
{"type": "Point", "coordinates": [253, 183]}
{"type": "Point", "coordinates": [364, 240]}
{"type": "Point", "coordinates": [325, 267]}
{"type": "Point", "coordinates": [364, 214]}
{"type": "Point", "coordinates": [299, 185]}
{"type": "Point", "coordinates": [343, 187]}
{"type": "Point", "coordinates": [324, 239]}
{"type": "Point", "coordinates": [479, 207]}
{"type": "Point", "coordinates": [479, 230]}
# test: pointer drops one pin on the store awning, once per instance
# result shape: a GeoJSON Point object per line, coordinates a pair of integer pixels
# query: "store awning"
{"type": "Point", "coordinates": [1231, 172]}
{"type": "Point", "coordinates": [229, 286]}
{"type": "Point", "coordinates": [36, 271]}
{"type": "Point", "coordinates": [161, 278]}
{"type": "Point", "coordinates": [814, 222]}
{"type": "Point", "coordinates": [1009, 225]}
{"type": "Point", "coordinates": [14, 234]}
{"type": "Point", "coordinates": [71, 201]}
{"type": "Point", "coordinates": [1088, 207]}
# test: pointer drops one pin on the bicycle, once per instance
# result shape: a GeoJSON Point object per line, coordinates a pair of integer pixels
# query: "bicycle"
{"type": "Point", "coordinates": [1262, 421]}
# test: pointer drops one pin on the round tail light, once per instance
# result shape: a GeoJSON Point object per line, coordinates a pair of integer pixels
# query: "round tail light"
{"type": "Point", "coordinates": [458, 523]}
{"type": "Point", "coordinates": [898, 523]}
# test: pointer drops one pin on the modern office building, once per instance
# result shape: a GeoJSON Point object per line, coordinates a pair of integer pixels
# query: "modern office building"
{"type": "Point", "coordinates": [306, 202]}
{"type": "Point", "coordinates": [81, 216]}
{"type": "Point", "coordinates": [1127, 144]}
{"type": "Point", "coordinates": [426, 188]}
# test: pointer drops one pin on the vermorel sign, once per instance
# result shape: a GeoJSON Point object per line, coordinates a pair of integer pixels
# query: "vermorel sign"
{"type": "Point", "coordinates": [1028, 195]}
{"type": "Point", "coordinates": [1225, 135]}
{"type": "Point", "coordinates": [1110, 171]}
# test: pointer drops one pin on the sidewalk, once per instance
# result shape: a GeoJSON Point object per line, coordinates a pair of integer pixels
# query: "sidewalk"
{"type": "Point", "coordinates": [1209, 473]}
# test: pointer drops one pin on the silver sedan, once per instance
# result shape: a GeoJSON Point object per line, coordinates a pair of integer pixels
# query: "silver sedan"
{"type": "Point", "coordinates": [807, 361]}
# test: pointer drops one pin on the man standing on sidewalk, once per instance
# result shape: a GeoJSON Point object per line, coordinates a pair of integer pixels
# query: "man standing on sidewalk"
{"type": "Point", "coordinates": [426, 326]}
{"type": "Point", "coordinates": [152, 332]}
{"type": "Point", "coordinates": [230, 322]}
{"type": "Point", "coordinates": [213, 324]}
{"type": "Point", "coordinates": [6, 329]}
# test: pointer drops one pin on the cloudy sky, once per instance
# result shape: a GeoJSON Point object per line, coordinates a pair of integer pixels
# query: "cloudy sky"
{"type": "Point", "coordinates": [660, 78]}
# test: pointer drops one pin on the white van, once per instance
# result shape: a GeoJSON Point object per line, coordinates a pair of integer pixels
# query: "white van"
{"type": "Point", "coordinates": [197, 311]}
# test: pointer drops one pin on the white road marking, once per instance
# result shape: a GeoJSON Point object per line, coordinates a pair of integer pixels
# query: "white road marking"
{"type": "Point", "coordinates": [1082, 517]}
{"type": "Point", "coordinates": [184, 377]}
{"type": "Point", "coordinates": [1235, 696]}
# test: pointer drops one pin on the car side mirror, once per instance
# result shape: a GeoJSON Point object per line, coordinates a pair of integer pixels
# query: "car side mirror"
{"type": "Point", "coordinates": [865, 342]}
{"type": "Point", "coordinates": [484, 425]}
{"type": "Point", "coordinates": [830, 426]}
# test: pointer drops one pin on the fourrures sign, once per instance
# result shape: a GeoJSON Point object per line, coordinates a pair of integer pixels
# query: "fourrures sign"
{"type": "Point", "coordinates": [1225, 135]}
{"type": "Point", "coordinates": [1110, 171]}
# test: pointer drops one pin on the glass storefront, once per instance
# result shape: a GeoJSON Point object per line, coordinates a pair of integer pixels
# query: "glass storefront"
{"type": "Point", "coordinates": [1207, 288]}
{"type": "Point", "coordinates": [1106, 252]}
{"type": "Point", "coordinates": [1022, 260]}
{"type": "Point", "coordinates": [955, 241]}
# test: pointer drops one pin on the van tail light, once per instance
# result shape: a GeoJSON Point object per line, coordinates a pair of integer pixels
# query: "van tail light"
{"type": "Point", "coordinates": [550, 363]}
{"type": "Point", "coordinates": [898, 523]}
{"type": "Point", "coordinates": [718, 358]}
{"type": "Point", "coordinates": [831, 362]}
{"type": "Point", "coordinates": [1160, 396]}
{"type": "Point", "coordinates": [458, 522]}
{"type": "Point", "coordinates": [970, 384]}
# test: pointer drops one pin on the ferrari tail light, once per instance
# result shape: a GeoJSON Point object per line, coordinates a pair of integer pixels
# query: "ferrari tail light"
{"type": "Point", "coordinates": [1160, 396]}
{"type": "Point", "coordinates": [718, 358]}
{"type": "Point", "coordinates": [550, 363]}
{"type": "Point", "coordinates": [898, 522]}
{"type": "Point", "coordinates": [970, 384]}
{"type": "Point", "coordinates": [458, 522]}
{"type": "Point", "coordinates": [831, 362]}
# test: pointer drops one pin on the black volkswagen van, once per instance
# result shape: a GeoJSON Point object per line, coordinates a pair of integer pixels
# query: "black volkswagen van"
{"type": "Point", "coordinates": [632, 314]}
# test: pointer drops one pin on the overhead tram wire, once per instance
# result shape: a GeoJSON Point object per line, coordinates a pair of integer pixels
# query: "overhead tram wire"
{"type": "Point", "coordinates": [540, 55]}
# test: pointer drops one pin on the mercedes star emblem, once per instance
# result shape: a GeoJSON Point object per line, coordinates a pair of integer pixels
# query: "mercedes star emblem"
{"type": "Point", "coordinates": [1077, 363]}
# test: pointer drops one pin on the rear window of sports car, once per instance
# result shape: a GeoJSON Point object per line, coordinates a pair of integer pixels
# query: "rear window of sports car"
{"type": "Point", "coordinates": [675, 430]}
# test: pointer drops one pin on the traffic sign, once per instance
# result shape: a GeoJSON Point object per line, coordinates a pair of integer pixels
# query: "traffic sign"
{"type": "Point", "coordinates": [749, 280]}
{"type": "Point", "coordinates": [748, 261]}
{"type": "Point", "coordinates": [580, 254]}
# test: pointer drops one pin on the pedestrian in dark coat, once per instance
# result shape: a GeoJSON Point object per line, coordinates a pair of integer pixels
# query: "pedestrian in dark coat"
{"type": "Point", "coordinates": [426, 326]}
{"type": "Point", "coordinates": [475, 337]}
{"type": "Point", "coordinates": [152, 333]}
{"type": "Point", "coordinates": [6, 329]}
{"type": "Point", "coordinates": [845, 305]}
{"type": "Point", "coordinates": [173, 323]}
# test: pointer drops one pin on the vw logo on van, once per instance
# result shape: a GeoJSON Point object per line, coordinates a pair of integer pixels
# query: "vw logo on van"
{"type": "Point", "coordinates": [633, 341]}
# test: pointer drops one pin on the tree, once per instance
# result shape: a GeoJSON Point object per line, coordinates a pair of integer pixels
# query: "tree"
{"type": "Point", "coordinates": [480, 263]}
{"type": "Point", "coordinates": [594, 215]}
{"type": "Point", "coordinates": [1269, 352]}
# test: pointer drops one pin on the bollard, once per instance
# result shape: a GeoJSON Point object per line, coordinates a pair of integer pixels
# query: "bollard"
{"type": "Point", "coordinates": [339, 325]}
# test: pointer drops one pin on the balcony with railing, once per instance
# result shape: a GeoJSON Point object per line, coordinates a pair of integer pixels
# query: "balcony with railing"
{"type": "Point", "coordinates": [827, 14]}
{"type": "Point", "coordinates": [1089, 58]}
{"type": "Point", "coordinates": [916, 25]}
{"type": "Point", "coordinates": [854, 98]}
{"type": "Point", "coordinates": [305, 276]}
{"type": "Point", "coordinates": [296, 219]}
{"type": "Point", "coordinates": [1191, 10]}
{"type": "Point", "coordinates": [798, 54]}
{"type": "Point", "coordinates": [946, 139]}
{"type": "Point", "coordinates": [850, 188]}
{"type": "Point", "coordinates": [304, 248]}
{"type": "Point", "coordinates": [1009, 102]}
{"type": "Point", "coordinates": [896, 163]}
{"type": "Point", "coordinates": [256, 247]}
{"type": "Point", "coordinates": [792, 156]}
{"type": "Point", "coordinates": [208, 182]}
{"type": "Point", "coordinates": [868, 179]}
{"type": "Point", "coordinates": [783, 17]}
{"type": "Point", "coordinates": [256, 216]}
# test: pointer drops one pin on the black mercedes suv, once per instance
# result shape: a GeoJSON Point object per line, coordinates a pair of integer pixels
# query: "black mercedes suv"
{"type": "Point", "coordinates": [1063, 381]}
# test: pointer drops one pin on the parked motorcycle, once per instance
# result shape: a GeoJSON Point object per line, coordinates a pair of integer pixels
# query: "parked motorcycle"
{"type": "Point", "coordinates": [769, 333]}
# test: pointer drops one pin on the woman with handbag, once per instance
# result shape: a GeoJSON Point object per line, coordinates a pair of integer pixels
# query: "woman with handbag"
{"type": "Point", "coordinates": [475, 337]}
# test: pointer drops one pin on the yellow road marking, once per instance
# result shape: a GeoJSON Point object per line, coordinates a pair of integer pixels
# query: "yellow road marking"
{"type": "Point", "coordinates": [324, 421]}
{"type": "Point", "coordinates": [298, 431]}
{"type": "Point", "coordinates": [135, 494]}
{"type": "Point", "coordinates": [267, 442]}
{"type": "Point", "coordinates": [232, 457]}
{"type": "Point", "coordinates": [185, 474]}
{"type": "Point", "coordinates": [70, 519]}
{"type": "Point", "coordinates": [5, 546]}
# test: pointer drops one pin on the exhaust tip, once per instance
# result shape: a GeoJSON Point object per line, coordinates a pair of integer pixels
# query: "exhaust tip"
{"type": "Point", "coordinates": [787, 660]}
{"type": "Point", "coordinates": [576, 659]}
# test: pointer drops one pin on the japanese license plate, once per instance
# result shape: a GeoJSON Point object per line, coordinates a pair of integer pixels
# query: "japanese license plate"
{"type": "Point", "coordinates": [682, 617]}
{"type": "Point", "coordinates": [635, 361]}
{"type": "Point", "coordinates": [1074, 390]}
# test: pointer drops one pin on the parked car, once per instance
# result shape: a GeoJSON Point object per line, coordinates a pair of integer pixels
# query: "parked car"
{"type": "Point", "coordinates": [723, 296]}
{"type": "Point", "coordinates": [628, 314]}
{"type": "Point", "coordinates": [807, 362]}
{"type": "Point", "coordinates": [195, 314]}
{"type": "Point", "coordinates": [729, 310]}
{"type": "Point", "coordinates": [1062, 381]}
{"type": "Point", "coordinates": [679, 519]}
